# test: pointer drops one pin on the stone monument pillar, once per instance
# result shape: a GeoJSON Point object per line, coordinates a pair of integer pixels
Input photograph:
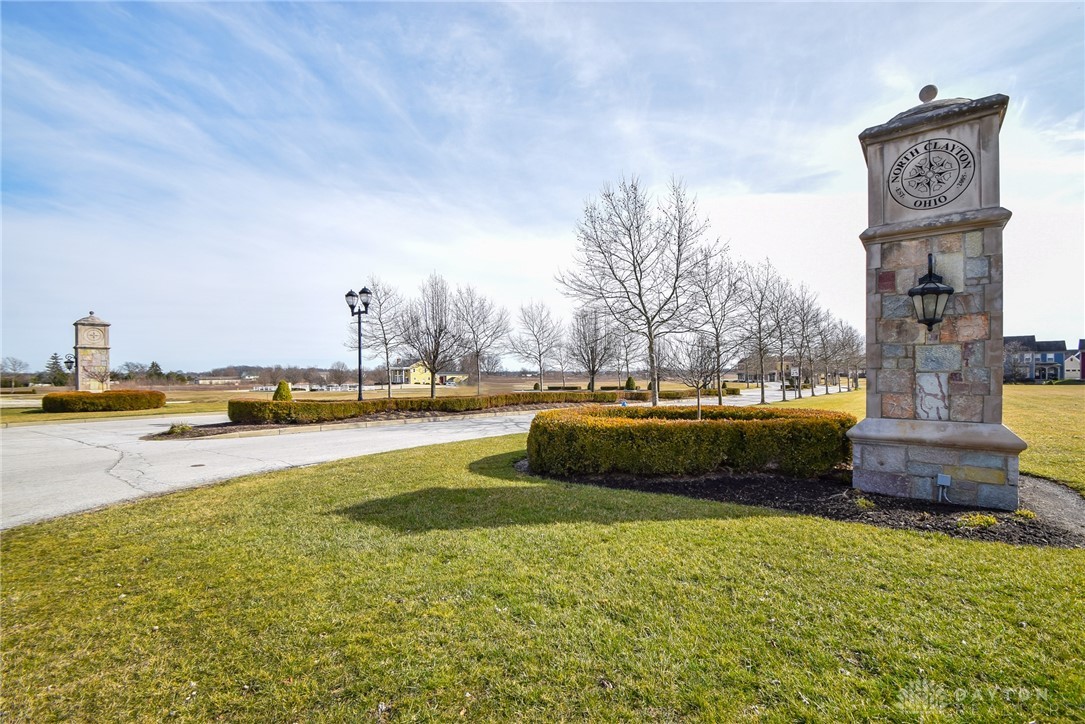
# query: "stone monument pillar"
{"type": "Point", "coordinates": [91, 354]}
{"type": "Point", "coordinates": [933, 427]}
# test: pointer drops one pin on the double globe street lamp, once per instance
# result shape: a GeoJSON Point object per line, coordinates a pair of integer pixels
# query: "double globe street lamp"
{"type": "Point", "coordinates": [359, 305]}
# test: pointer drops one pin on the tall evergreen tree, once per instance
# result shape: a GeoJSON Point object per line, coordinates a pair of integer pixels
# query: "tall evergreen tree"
{"type": "Point", "coordinates": [55, 374]}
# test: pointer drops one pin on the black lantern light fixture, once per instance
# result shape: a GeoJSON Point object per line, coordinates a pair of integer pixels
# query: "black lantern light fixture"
{"type": "Point", "coordinates": [69, 361]}
{"type": "Point", "coordinates": [359, 305]}
{"type": "Point", "coordinates": [930, 296]}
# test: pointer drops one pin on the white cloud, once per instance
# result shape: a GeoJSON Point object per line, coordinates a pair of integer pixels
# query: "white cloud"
{"type": "Point", "coordinates": [232, 169]}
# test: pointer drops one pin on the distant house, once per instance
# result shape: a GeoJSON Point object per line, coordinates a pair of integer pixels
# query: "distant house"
{"type": "Point", "coordinates": [413, 372]}
{"type": "Point", "coordinates": [410, 372]}
{"type": "Point", "coordinates": [1071, 366]}
{"type": "Point", "coordinates": [1027, 360]}
{"type": "Point", "coordinates": [218, 381]}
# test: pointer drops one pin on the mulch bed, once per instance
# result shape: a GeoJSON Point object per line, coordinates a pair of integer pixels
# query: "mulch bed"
{"type": "Point", "coordinates": [833, 497]}
{"type": "Point", "coordinates": [222, 428]}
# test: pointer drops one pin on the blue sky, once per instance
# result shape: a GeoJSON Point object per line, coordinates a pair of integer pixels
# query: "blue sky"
{"type": "Point", "coordinates": [212, 178]}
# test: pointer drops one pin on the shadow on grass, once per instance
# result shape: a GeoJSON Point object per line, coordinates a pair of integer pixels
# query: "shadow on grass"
{"type": "Point", "coordinates": [531, 502]}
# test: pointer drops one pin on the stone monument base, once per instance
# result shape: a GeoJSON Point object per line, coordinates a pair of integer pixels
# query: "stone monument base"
{"type": "Point", "coordinates": [904, 458]}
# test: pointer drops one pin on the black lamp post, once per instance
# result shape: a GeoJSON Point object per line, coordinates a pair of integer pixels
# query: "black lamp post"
{"type": "Point", "coordinates": [930, 296]}
{"type": "Point", "coordinates": [69, 362]}
{"type": "Point", "coordinates": [359, 305]}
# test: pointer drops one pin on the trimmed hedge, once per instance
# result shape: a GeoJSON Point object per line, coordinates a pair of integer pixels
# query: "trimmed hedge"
{"type": "Point", "coordinates": [669, 441]}
{"type": "Point", "coordinates": [109, 401]}
{"type": "Point", "coordinates": [676, 394]}
{"type": "Point", "coordinates": [260, 412]}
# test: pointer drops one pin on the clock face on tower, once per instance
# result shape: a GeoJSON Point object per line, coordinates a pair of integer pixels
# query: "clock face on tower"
{"type": "Point", "coordinates": [93, 336]}
{"type": "Point", "coordinates": [931, 174]}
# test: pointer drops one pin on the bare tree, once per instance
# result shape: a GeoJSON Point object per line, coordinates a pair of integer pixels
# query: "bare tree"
{"type": "Point", "coordinates": [429, 329]}
{"type": "Point", "coordinates": [850, 350]}
{"type": "Point", "coordinates": [482, 324]}
{"type": "Point", "coordinates": [539, 334]}
{"type": "Point", "coordinates": [14, 368]}
{"type": "Point", "coordinates": [636, 261]}
{"type": "Point", "coordinates": [628, 349]}
{"type": "Point", "coordinates": [807, 317]}
{"type": "Point", "coordinates": [338, 373]}
{"type": "Point", "coordinates": [592, 343]}
{"type": "Point", "coordinates": [133, 371]}
{"type": "Point", "coordinates": [781, 314]}
{"type": "Point", "coordinates": [294, 375]}
{"type": "Point", "coordinates": [758, 294]}
{"type": "Point", "coordinates": [383, 330]}
{"type": "Point", "coordinates": [99, 373]}
{"type": "Point", "coordinates": [1014, 367]}
{"type": "Point", "coordinates": [825, 346]}
{"type": "Point", "coordinates": [563, 356]}
{"type": "Point", "coordinates": [717, 295]}
{"type": "Point", "coordinates": [490, 364]}
{"type": "Point", "coordinates": [691, 359]}
{"type": "Point", "coordinates": [316, 376]}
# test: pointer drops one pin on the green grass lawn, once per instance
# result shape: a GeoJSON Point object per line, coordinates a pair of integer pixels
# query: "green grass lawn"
{"type": "Point", "coordinates": [1050, 418]}
{"type": "Point", "coordinates": [438, 583]}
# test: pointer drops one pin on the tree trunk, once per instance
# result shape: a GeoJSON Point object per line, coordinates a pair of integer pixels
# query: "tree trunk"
{"type": "Point", "coordinates": [798, 390]}
{"type": "Point", "coordinates": [433, 384]}
{"type": "Point", "coordinates": [591, 382]}
{"type": "Point", "coordinates": [719, 387]}
{"type": "Point", "coordinates": [541, 373]}
{"type": "Point", "coordinates": [388, 371]}
{"type": "Point", "coordinates": [783, 378]}
{"type": "Point", "coordinates": [478, 371]}
{"type": "Point", "coordinates": [652, 376]}
{"type": "Point", "coordinates": [762, 380]}
{"type": "Point", "coordinates": [698, 402]}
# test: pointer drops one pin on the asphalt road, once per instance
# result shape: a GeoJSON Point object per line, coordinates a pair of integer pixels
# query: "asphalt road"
{"type": "Point", "coordinates": [52, 470]}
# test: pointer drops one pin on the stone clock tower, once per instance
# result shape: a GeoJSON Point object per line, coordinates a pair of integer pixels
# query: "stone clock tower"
{"type": "Point", "coordinates": [933, 427]}
{"type": "Point", "coordinates": [91, 354]}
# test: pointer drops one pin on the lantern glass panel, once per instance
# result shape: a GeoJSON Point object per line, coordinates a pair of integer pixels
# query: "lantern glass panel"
{"type": "Point", "coordinates": [940, 309]}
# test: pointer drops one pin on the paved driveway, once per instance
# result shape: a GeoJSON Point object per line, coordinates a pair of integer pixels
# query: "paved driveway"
{"type": "Point", "coordinates": [52, 470]}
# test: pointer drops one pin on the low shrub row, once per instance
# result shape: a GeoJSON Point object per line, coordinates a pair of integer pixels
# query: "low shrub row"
{"type": "Point", "coordinates": [645, 396]}
{"type": "Point", "coordinates": [110, 401]}
{"type": "Point", "coordinates": [259, 412]}
{"type": "Point", "coordinates": [563, 389]}
{"type": "Point", "coordinates": [669, 441]}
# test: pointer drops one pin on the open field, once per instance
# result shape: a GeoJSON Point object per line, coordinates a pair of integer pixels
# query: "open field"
{"type": "Point", "coordinates": [438, 583]}
{"type": "Point", "coordinates": [1050, 418]}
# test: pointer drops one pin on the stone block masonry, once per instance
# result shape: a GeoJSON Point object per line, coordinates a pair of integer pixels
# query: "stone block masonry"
{"type": "Point", "coordinates": [934, 398]}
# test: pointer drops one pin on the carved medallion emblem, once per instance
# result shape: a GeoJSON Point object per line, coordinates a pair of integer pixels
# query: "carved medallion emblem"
{"type": "Point", "coordinates": [931, 173]}
{"type": "Point", "coordinates": [93, 335]}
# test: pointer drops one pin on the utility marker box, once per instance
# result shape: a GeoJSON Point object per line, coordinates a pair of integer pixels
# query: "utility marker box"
{"type": "Point", "coordinates": [934, 397]}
